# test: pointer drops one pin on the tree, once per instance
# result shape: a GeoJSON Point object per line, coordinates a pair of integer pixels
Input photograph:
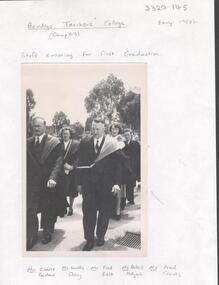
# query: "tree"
{"type": "Point", "coordinates": [30, 104]}
{"type": "Point", "coordinates": [59, 121]}
{"type": "Point", "coordinates": [104, 98]}
{"type": "Point", "coordinates": [129, 109]}
{"type": "Point", "coordinates": [78, 129]}
{"type": "Point", "coordinates": [88, 123]}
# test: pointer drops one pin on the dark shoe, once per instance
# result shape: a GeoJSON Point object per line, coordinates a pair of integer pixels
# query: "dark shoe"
{"type": "Point", "coordinates": [131, 202]}
{"type": "Point", "coordinates": [70, 212]}
{"type": "Point", "coordinates": [63, 213]}
{"type": "Point", "coordinates": [123, 203]}
{"type": "Point", "coordinates": [117, 217]}
{"type": "Point", "coordinates": [32, 242]}
{"type": "Point", "coordinates": [47, 238]}
{"type": "Point", "coordinates": [100, 241]}
{"type": "Point", "coordinates": [88, 246]}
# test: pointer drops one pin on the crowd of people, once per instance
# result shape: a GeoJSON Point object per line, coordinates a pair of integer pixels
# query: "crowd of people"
{"type": "Point", "coordinates": [103, 167]}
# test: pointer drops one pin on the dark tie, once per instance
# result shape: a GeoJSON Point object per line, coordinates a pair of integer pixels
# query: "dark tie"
{"type": "Point", "coordinates": [97, 146]}
{"type": "Point", "coordinates": [37, 147]}
{"type": "Point", "coordinates": [37, 142]}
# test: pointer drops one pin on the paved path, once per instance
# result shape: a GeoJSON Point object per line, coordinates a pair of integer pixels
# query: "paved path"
{"type": "Point", "coordinates": [68, 234]}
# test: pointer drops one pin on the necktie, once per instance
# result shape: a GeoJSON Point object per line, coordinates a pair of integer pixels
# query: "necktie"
{"type": "Point", "coordinates": [37, 142]}
{"type": "Point", "coordinates": [97, 146]}
{"type": "Point", "coordinates": [37, 147]}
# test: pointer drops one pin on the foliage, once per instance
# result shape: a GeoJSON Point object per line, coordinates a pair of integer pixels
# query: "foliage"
{"type": "Point", "coordinates": [104, 98]}
{"type": "Point", "coordinates": [30, 104]}
{"type": "Point", "coordinates": [129, 109]}
{"type": "Point", "coordinates": [60, 120]}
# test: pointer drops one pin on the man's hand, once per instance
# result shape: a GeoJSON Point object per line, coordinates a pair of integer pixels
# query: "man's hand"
{"type": "Point", "coordinates": [115, 189]}
{"type": "Point", "coordinates": [68, 166]}
{"type": "Point", "coordinates": [79, 189]}
{"type": "Point", "coordinates": [51, 183]}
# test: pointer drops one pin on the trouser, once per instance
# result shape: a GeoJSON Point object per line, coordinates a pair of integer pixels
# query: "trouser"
{"type": "Point", "coordinates": [118, 201]}
{"type": "Point", "coordinates": [48, 210]}
{"type": "Point", "coordinates": [96, 208]}
{"type": "Point", "coordinates": [32, 223]}
{"type": "Point", "coordinates": [130, 190]}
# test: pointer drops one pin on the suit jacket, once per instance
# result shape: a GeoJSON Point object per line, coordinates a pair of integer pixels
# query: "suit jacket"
{"type": "Point", "coordinates": [104, 174]}
{"type": "Point", "coordinates": [132, 150]}
{"type": "Point", "coordinates": [47, 165]}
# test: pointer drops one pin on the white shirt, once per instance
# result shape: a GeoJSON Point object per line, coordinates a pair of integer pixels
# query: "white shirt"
{"type": "Point", "coordinates": [66, 144]}
{"type": "Point", "coordinates": [99, 141]}
{"type": "Point", "coordinates": [40, 138]}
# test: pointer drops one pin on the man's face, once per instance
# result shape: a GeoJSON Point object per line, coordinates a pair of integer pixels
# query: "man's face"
{"type": "Point", "coordinates": [97, 129]}
{"type": "Point", "coordinates": [127, 136]}
{"type": "Point", "coordinates": [39, 127]}
{"type": "Point", "coordinates": [66, 135]}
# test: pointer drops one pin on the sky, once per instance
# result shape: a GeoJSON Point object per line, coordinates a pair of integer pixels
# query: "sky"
{"type": "Point", "coordinates": [63, 87]}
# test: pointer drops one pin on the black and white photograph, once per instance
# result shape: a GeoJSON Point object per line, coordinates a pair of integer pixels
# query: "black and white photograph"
{"type": "Point", "coordinates": [84, 160]}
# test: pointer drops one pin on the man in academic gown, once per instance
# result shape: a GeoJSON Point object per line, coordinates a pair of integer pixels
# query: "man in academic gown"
{"type": "Point", "coordinates": [44, 163]}
{"type": "Point", "coordinates": [98, 183]}
{"type": "Point", "coordinates": [132, 151]}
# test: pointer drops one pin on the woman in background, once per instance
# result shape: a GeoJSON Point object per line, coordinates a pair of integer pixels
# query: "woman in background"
{"type": "Point", "coordinates": [67, 178]}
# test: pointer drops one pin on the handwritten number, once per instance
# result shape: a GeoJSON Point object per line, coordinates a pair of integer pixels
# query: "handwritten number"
{"type": "Point", "coordinates": [155, 8]}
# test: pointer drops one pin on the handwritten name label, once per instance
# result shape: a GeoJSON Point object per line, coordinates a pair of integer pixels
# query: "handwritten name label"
{"type": "Point", "coordinates": [106, 271]}
{"type": "Point", "coordinates": [133, 270]}
{"type": "Point", "coordinates": [47, 272]}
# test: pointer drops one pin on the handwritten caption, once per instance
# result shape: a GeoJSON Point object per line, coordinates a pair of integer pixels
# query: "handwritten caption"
{"type": "Point", "coordinates": [129, 271]}
{"type": "Point", "coordinates": [73, 29]}
{"type": "Point", "coordinates": [34, 55]}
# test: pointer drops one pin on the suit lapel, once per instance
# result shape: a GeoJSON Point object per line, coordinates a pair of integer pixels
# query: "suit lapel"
{"type": "Point", "coordinates": [49, 144]}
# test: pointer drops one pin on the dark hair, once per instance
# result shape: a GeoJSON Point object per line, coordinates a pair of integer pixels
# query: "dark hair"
{"type": "Point", "coordinates": [66, 129]}
{"type": "Point", "coordinates": [117, 126]}
{"type": "Point", "coordinates": [127, 130]}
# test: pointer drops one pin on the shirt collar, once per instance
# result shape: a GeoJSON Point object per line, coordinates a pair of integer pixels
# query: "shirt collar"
{"type": "Point", "coordinates": [40, 137]}
{"type": "Point", "coordinates": [66, 143]}
{"type": "Point", "coordinates": [99, 140]}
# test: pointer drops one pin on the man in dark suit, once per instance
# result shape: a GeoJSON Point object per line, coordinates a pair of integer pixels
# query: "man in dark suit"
{"type": "Point", "coordinates": [99, 183]}
{"type": "Point", "coordinates": [132, 151]}
{"type": "Point", "coordinates": [44, 163]}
